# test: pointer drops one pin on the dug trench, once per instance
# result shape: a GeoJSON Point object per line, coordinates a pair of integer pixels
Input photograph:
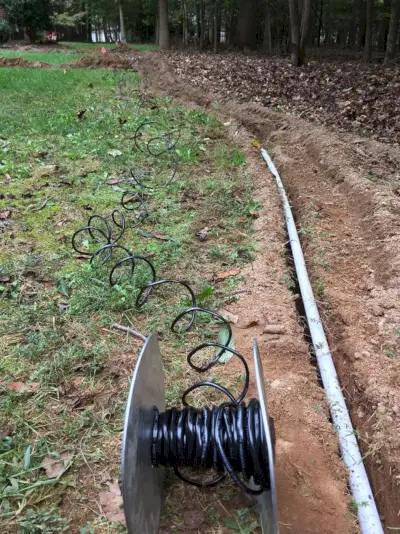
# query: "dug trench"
{"type": "Point", "coordinates": [349, 224]}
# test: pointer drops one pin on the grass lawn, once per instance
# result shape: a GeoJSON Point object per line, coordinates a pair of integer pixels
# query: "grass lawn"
{"type": "Point", "coordinates": [51, 57]}
{"type": "Point", "coordinates": [66, 137]}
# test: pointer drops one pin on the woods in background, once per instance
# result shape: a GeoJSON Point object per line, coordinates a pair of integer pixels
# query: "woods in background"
{"type": "Point", "coordinates": [270, 26]}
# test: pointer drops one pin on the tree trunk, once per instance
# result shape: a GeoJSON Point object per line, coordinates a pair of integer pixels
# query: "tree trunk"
{"type": "Point", "coordinates": [267, 38]}
{"type": "Point", "coordinates": [215, 33]}
{"type": "Point", "coordinates": [157, 25]}
{"type": "Point", "coordinates": [198, 24]}
{"type": "Point", "coordinates": [351, 41]}
{"type": "Point", "coordinates": [247, 21]}
{"type": "Point", "coordinates": [184, 24]}
{"type": "Point", "coordinates": [202, 24]}
{"type": "Point", "coordinates": [294, 32]}
{"type": "Point", "coordinates": [105, 31]}
{"type": "Point", "coordinates": [321, 12]}
{"type": "Point", "coordinates": [163, 24]}
{"type": "Point", "coordinates": [299, 29]}
{"type": "Point", "coordinates": [304, 29]}
{"type": "Point", "coordinates": [368, 33]}
{"type": "Point", "coordinates": [393, 30]}
{"type": "Point", "coordinates": [384, 25]}
{"type": "Point", "coordinates": [31, 33]}
{"type": "Point", "coordinates": [361, 23]}
{"type": "Point", "coordinates": [89, 21]}
{"type": "Point", "coordinates": [121, 23]}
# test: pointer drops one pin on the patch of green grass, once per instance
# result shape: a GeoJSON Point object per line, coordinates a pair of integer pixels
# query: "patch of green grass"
{"type": "Point", "coordinates": [50, 57]}
{"type": "Point", "coordinates": [107, 46]}
{"type": "Point", "coordinates": [244, 522]}
{"type": "Point", "coordinates": [61, 142]}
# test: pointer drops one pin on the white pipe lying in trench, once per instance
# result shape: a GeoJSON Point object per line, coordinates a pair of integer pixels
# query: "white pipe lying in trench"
{"type": "Point", "coordinates": [368, 516]}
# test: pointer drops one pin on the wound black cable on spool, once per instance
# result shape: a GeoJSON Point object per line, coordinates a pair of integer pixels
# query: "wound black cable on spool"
{"type": "Point", "coordinates": [227, 438]}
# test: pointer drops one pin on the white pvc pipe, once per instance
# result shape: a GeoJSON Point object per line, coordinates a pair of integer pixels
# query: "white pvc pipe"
{"type": "Point", "coordinates": [367, 512]}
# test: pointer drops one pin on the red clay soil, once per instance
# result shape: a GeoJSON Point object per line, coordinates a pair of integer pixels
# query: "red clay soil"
{"type": "Point", "coordinates": [345, 194]}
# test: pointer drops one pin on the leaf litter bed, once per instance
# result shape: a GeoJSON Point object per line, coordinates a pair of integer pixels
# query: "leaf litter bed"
{"type": "Point", "coordinates": [348, 95]}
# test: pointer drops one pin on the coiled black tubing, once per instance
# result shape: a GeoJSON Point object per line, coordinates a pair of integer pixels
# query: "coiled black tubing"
{"type": "Point", "coordinates": [228, 438]}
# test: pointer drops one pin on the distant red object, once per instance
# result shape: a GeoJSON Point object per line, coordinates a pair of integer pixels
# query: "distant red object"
{"type": "Point", "coordinates": [51, 36]}
{"type": "Point", "coordinates": [103, 50]}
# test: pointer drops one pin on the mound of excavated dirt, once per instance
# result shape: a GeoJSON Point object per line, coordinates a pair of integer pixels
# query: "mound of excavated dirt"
{"type": "Point", "coordinates": [121, 49]}
{"type": "Point", "coordinates": [21, 62]}
{"type": "Point", "coordinates": [102, 62]}
{"type": "Point", "coordinates": [349, 95]}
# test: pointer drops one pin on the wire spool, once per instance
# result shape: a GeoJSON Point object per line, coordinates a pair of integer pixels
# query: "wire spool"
{"type": "Point", "coordinates": [231, 439]}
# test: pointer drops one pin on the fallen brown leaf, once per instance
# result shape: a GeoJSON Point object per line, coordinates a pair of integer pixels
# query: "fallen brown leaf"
{"type": "Point", "coordinates": [160, 236]}
{"type": "Point", "coordinates": [231, 317]}
{"type": "Point", "coordinates": [54, 467]}
{"type": "Point", "coordinates": [194, 518]}
{"type": "Point", "coordinates": [241, 220]}
{"type": "Point", "coordinates": [21, 387]}
{"type": "Point", "coordinates": [254, 213]}
{"type": "Point", "coordinates": [226, 274]}
{"type": "Point", "coordinates": [6, 214]}
{"type": "Point", "coordinates": [111, 503]}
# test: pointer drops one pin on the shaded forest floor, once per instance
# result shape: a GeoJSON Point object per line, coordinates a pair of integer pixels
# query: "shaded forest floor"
{"type": "Point", "coordinates": [348, 95]}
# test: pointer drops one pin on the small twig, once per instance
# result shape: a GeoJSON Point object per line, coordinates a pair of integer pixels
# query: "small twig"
{"type": "Point", "coordinates": [129, 330]}
{"type": "Point", "coordinates": [299, 468]}
{"type": "Point", "coordinates": [42, 205]}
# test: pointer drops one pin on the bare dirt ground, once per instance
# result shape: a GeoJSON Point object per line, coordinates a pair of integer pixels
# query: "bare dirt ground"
{"type": "Point", "coordinates": [344, 190]}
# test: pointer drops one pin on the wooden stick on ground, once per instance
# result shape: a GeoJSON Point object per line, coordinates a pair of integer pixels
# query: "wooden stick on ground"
{"type": "Point", "coordinates": [129, 330]}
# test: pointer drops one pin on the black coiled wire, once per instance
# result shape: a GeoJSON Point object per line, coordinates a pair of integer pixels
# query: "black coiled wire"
{"type": "Point", "coordinates": [227, 438]}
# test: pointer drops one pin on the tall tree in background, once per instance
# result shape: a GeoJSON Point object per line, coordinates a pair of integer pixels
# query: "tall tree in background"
{"type": "Point", "coordinates": [369, 29]}
{"type": "Point", "coordinates": [300, 12]}
{"type": "Point", "coordinates": [274, 26]}
{"type": "Point", "coordinates": [247, 24]}
{"type": "Point", "coordinates": [393, 31]}
{"type": "Point", "coordinates": [121, 23]}
{"type": "Point", "coordinates": [33, 15]}
{"type": "Point", "coordinates": [163, 28]}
